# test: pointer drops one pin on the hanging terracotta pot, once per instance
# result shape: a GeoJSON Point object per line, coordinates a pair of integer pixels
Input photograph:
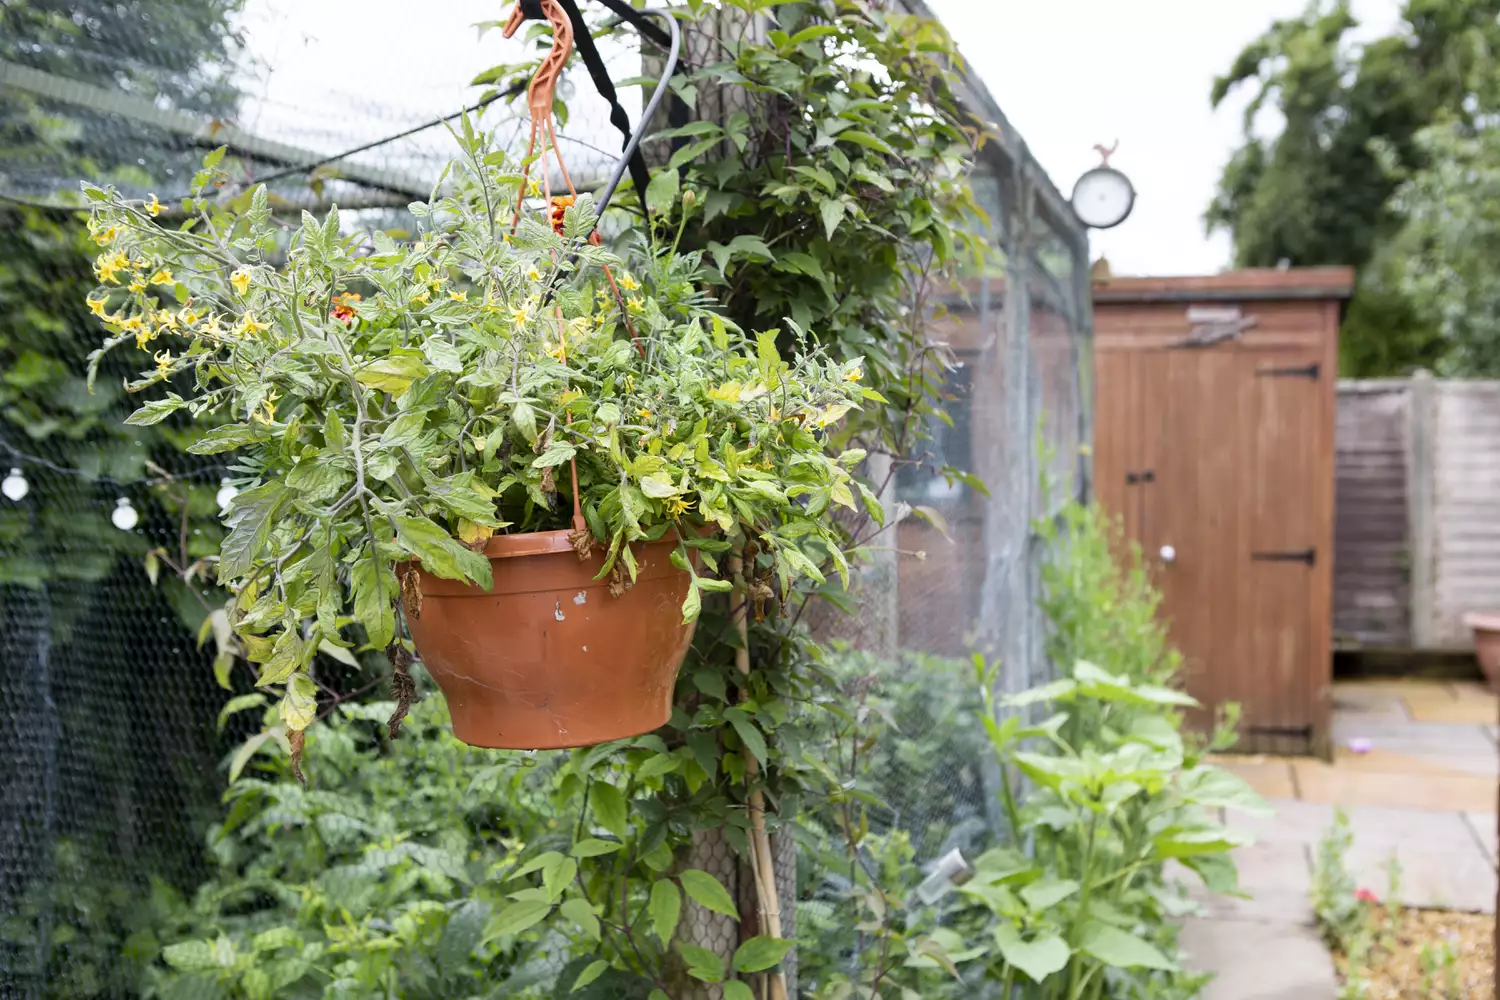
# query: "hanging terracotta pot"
{"type": "Point", "coordinates": [548, 657]}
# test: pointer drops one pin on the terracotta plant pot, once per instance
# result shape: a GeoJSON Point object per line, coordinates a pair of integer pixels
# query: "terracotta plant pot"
{"type": "Point", "coordinates": [1486, 626]}
{"type": "Point", "coordinates": [548, 658]}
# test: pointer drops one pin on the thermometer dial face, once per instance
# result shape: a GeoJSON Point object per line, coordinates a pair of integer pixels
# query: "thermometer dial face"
{"type": "Point", "coordinates": [1103, 198]}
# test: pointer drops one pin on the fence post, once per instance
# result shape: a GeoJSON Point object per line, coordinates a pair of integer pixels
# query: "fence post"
{"type": "Point", "coordinates": [1421, 420]}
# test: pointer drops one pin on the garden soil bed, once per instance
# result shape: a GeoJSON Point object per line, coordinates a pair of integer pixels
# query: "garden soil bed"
{"type": "Point", "coordinates": [1394, 969]}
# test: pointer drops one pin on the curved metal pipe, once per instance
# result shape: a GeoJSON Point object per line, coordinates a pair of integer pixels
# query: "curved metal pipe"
{"type": "Point", "coordinates": [674, 51]}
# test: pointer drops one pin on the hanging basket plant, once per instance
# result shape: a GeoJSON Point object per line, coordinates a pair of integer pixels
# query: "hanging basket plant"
{"type": "Point", "coordinates": [496, 432]}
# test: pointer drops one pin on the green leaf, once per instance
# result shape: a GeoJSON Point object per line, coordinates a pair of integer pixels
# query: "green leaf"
{"type": "Point", "coordinates": [441, 553]}
{"type": "Point", "coordinates": [247, 750]}
{"type": "Point", "coordinates": [1175, 842]}
{"type": "Point", "coordinates": [443, 355]}
{"type": "Point", "coordinates": [594, 970]}
{"type": "Point", "coordinates": [737, 990]}
{"type": "Point", "coordinates": [317, 480]}
{"type": "Point", "coordinates": [832, 211]}
{"type": "Point", "coordinates": [1043, 895]}
{"type": "Point", "coordinates": [250, 519]}
{"type": "Point", "coordinates": [702, 964]}
{"type": "Point", "coordinates": [692, 605]}
{"type": "Point", "coordinates": [557, 877]}
{"type": "Point", "coordinates": [661, 193]}
{"type": "Point", "coordinates": [1115, 947]}
{"type": "Point", "coordinates": [593, 847]}
{"type": "Point", "coordinates": [609, 806]}
{"type": "Point", "coordinates": [664, 907]}
{"type": "Point", "coordinates": [374, 587]}
{"type": "Point", "coordinates": [525, 420]}
{"type": "Point", "coordinates": [582, 914]}
{"type": "Point", "coordinates": [286, 656]}
{"type": "Point", "coordinates": [708, 893]}
{"type": "Point", "coordinates": [191, 956]}
{"type": "Point", "coordinates": [866, 140]}
{"type": "Point", "coordinates": [239, 704]}
{"type": "Point", "coordinates": [393, 374]}
{"type": "Point", "coordinates": [546, 860]}
{"type": "Point", "coordinates": [155, 411]}
{"type": "Point", "coordinates": [662, 763]}
{"type": "Point", "coordinates": [760, 953]}
{"type": "Point", "coordinates": [1039, 958]}
{"type": "Point", "coordinates": [517, 917]}
{"type": "Point", "coordinates": [1215, 787]}
{"type": "Point", "coordinates": [557, 453]}
{"type": "Point", "coordinates": [749, 734]}
{"type": "Point", "coordinates": [299, 705]}
{"type": "Point", "coordinates": [405, 430]}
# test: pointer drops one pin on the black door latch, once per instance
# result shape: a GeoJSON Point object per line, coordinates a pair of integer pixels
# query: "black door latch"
{"type": "Point", "coordinates": [1132, 478]}
{"type": "Point", "coordinates": [1304, 371]}
{"type": "Point", "coordinates": [1308, 556]}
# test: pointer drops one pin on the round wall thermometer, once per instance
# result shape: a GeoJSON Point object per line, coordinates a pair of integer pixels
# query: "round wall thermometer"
{"type": "Point", "coordinates": [1103, 197]}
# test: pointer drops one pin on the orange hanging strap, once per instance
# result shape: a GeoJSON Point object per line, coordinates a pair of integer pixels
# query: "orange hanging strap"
{"type": "Point", "coordinates": [539, 99]}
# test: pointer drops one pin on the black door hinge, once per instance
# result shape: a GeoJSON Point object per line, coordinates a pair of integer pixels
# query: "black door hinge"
{"type": "Point", "coordinates": [1304, 371]}
{"type": "Point", "coordinates": [1304, 732]}
{"type": "Point", "coordinates": [1132, 478]}
{"type": "Point", "coordinates": [1308, 556]}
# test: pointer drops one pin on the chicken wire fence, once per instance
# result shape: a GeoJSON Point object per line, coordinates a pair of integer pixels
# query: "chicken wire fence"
{"type": "Point", "coordinates": [116, 829]}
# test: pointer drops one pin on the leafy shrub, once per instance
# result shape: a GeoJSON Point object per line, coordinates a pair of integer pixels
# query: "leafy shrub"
{"type": "Point", "coordinates": [380, 880]}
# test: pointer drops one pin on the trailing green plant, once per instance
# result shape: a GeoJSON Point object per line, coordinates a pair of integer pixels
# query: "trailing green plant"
{"type": "Point", "coordinates": [406, 401]}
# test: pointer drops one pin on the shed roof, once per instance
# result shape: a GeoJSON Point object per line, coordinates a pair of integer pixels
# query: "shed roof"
{"type": "Point", "coordinates": [1245, 285]}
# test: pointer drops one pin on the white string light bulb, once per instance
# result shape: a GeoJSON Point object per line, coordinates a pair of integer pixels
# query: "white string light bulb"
{"type": "Point", "coordinates": [124, 516]}
{"type": "Point", "coordinates": [14, 486]}
{"type": "Point", "coordinates": [225, 496]}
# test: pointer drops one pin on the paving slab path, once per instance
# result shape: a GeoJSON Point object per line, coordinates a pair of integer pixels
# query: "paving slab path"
{"type": "Point", "coordinates": [1423, 793]}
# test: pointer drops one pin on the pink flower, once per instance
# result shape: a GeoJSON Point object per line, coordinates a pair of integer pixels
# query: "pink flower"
{"type": "Point", "coordinates": [1366, 896]}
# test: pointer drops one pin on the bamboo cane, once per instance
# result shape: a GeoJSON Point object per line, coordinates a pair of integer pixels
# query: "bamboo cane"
{"type": "Point", "coordinates": [761, 863]}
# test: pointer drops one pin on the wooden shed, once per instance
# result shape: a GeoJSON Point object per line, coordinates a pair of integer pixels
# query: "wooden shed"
{"type": "Point", "coordinates": [1214, 442]}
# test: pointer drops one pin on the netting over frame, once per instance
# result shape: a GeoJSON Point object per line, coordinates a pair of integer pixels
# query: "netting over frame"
{"type": "Point", "coordinates": [107, 700]}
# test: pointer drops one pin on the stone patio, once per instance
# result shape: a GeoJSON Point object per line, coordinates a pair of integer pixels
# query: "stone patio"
{"type": "Point", "coordinates": [1425, 793]}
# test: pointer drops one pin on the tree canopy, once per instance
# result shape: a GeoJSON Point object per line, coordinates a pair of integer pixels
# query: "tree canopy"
{"type": "Point", "coordinates": [1322, 190]}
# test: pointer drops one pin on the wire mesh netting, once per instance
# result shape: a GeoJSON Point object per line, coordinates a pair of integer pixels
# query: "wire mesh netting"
{"type": "Point", "coordinates": [117, 834]}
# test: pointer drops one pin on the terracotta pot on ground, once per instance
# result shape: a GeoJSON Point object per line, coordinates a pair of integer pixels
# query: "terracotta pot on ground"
{"type": "Point", "coordinates": [548, 658]}
{"type": "Point", "coordinates": [1486, 626]}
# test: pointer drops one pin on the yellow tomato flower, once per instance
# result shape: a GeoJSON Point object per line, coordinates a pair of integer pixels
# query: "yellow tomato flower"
{"type": "Point", "coordinates": [163, 277]}
{"type": "Point", "coordinates": [166, 319]}
{"type": "Point", "coordinates": [240, 280]}
{"type": "Point", "coordinates": [634, 304]}
{"type": "Point", "coordinates": [628, 283]}
{"type": "Point", "coordinates": [424, 298]}
{"type": "Point", "coordinates": [677, 506]}
{"type": "Point", "coordinates": [109, 265]}
{"type": "Point", "coordinates": [644, 413]}
{"type": "Point", "coordinates": [105, 237]}
{"type": "Point", "coordinates": [153, 206]}
{"type": "Point", "coordinates": [558, 350]}
{"type": "Point", "coordinates": [534, 274]}
{"type": "Point", "coordinates": [96, 306]}
{"type": "Point", "coordinates": [854, 375]}
{"type": "Point", "coordinates": [138, 285]}
{"type": "Point", "coordinates": [458, 296]}
{"type": "Point", "coordinates": [248, 325]}
{"type": "Point", "coordinates": [163, 361]}
{"type": "Point", "coordinates": [519, 317]}
{"type": "Point", "coordinates": [187, 317]}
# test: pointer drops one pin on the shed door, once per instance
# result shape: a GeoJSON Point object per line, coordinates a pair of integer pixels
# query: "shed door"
{"type": "Point", "coordinates": [1231, 438]}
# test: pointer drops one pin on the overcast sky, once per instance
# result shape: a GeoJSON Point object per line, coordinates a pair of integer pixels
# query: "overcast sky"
{"type": "Point", "coordinates": [1068, 74]}
{"type": "Point", "coordinates": [1072, 73]}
